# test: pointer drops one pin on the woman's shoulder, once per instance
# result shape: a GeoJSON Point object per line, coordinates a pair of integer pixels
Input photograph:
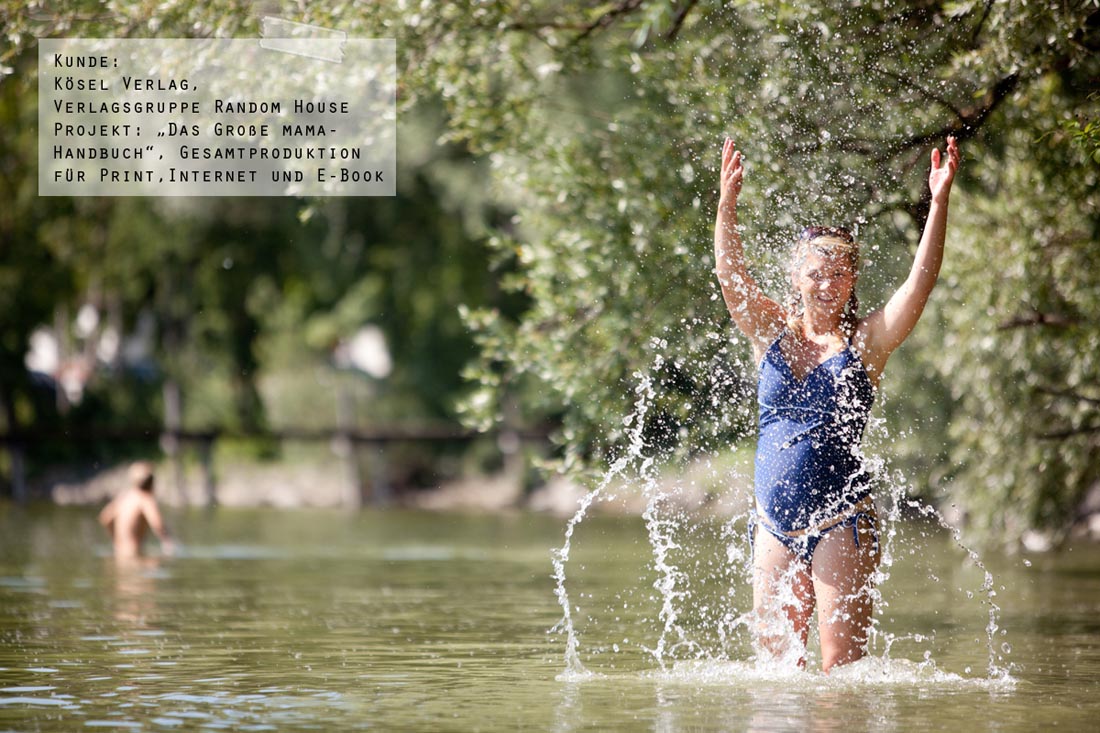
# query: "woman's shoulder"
{"type": "Point", "coordinates": [864, 345]}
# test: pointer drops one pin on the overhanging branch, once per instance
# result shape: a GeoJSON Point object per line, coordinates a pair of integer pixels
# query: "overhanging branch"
{"type": "Point", "coordinates": [1068, 394]}
{"type": "Point", "coordinates": [1072, 433]}
{"type": "Point", "coordinates": [966, 122]}
{"type": "Point", "coordinates": [624, 7]}
{"type": "Point", "coordinates": [909, 83]}
{"type": "Point", "coordinates": [678, 21]}
{"type": "Point", "coordinates": [1038, 318]}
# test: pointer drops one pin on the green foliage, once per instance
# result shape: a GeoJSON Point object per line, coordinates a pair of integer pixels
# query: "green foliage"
{"type": "Point", "coordinates": [1021, 336]}
{"type": "Point", "coordinates": [1085, 128]}
{"type": "Point", "coordinates": [601, 125]}
{"type": "Point", "coordinates": [604, 125]}
{"type": "Point", "coordinates": [249, 296]}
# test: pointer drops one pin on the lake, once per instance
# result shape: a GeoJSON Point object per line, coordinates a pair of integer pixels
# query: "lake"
{"type": "Point", "coordinates": [400, 620]}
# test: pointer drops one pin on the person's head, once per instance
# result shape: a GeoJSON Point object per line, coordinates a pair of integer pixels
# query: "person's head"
{"type": "Point", "coordinates": [824, 270]}
{"type": "Point", "coordinates": [141, 475]}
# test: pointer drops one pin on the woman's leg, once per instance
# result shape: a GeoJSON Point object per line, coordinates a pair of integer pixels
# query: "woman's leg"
{"type": "Point", "coordinates": [843, 583]}
{"type": "Point", "coordinates": [782, 598]}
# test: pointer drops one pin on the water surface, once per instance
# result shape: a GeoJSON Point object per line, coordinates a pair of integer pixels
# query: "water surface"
{"type": "Point", "coordinates": [393, 620]}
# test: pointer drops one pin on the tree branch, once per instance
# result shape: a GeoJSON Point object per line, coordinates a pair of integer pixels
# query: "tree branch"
{"type": "Point", "coordinates": [967, 123]}
{"type": "Point", "coordinates": [536, 26]}
{"type": "Point", "coordinates": [981, 22]}
{"type": "Point", "coordinates": [1038, 318]}
{"type": "Point", "coordinates": [964, 126]}
{"type": "Point", "coordinates": [678, 21]}
{"type": "Point", "coordinates": [1072, 433]}
{"type": "Point", "coordinates": [583, 29]}
{"type": "Point", "coordinates": [1068, 395]}
{"type": "Point", "coordinates": [623, 8]}
{"type": "Point", "coordinates": [926, 93]}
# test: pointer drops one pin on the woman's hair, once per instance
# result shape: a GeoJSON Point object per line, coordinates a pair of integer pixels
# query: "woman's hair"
{"type": "Point", "coordinates": [826, 241]}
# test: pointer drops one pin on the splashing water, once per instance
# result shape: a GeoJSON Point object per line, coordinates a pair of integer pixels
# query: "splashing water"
{"type": "Point", "coordinates": [573, 665]}
{"type": "Point", "coordinates": [997, 666]}
{"type": "Point", "coordinates": [679, 644]}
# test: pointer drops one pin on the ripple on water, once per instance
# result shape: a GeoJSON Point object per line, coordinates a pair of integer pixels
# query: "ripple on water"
{"type": "Point", "coordinates": [432, 553]}
{"type": "Point", "coordinates": [111, 724]}
{"type": "Point", "coordinates": [419, 552]}
{"type": "Point", "coordinates": [237, 552]}
{"type": "Point", "coordinates": [46, 701]}
{"type": "Point", "coordinates": [20, 583]}
{"type": "Point", "coordinates": [867, 672]}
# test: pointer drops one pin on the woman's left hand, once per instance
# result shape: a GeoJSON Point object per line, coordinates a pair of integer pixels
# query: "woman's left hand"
{"type": "Point", "coordinates": [940, 178]}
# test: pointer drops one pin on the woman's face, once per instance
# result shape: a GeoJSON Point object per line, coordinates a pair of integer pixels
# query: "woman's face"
{"type": "Point", "coordinates": [825, 280]}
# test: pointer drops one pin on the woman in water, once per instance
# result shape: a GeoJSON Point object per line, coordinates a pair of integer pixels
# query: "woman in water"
{"type": "Point", "coordinates": [815, 537]}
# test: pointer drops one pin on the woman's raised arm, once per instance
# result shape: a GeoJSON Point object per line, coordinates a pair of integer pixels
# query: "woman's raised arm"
{"type": "Point", "coordinates": [888, 327]}
{"type": "Point", "coordinates": [757, 315]}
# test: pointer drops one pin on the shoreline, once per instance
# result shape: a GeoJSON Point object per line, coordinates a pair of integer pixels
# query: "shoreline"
{"type": "Point", "coordinates": [315, 484]}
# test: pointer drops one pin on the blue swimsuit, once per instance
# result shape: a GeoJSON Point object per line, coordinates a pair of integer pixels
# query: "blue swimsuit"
{"type": "Point", "coordinates": [809, 468]}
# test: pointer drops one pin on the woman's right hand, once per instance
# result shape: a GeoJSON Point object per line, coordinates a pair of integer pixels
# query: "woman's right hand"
{"type": "Point", "coordinates": [732, 172]}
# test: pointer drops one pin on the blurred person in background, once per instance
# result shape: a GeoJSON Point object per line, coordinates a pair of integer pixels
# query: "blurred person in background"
{"type": "Point", "coordinates": [133, 512]}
